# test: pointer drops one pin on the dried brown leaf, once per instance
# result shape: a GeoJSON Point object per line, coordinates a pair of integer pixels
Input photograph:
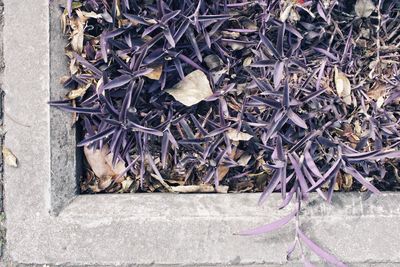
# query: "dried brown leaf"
{"type": "Point", "coordinates": [343, 86]}
{"type": "Point", "coordinates": [80, 91]}
{"type": "Point", "coordinates": [77, 34]}
{"type": "Point", "coordinates": [9, 158]}
{"type": "Point", "coordinates": [364, 8]}
{"type": "Point", "coordinates": [194, 88]}
{"type": "Point", "coordinates": [235, 135]}
{"type": "Point", "coordinates": [100, 161]}
{"type": "Point", "coordinates": [156, 73]}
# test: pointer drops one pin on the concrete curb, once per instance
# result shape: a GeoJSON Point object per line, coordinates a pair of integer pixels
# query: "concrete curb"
{"type": "Point", "coordinates": [140, 229]}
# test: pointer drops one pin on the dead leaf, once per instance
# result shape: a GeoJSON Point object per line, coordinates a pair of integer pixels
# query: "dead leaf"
{"type": "Point", "coordinates": [235, 135]}
{"type": "Point", "coordinates": [125, 185]}
{"type": "Point", "coordinates": [380, 101]}
{"type": "Point", "coordinates": [286, 12]}
{"type": "Point", "coordinates": [203, 188]}
{"type": "Point", "coordinates": [63, 20]}
{"type": "Point", "coordinates": [83, 15]}
{"type": "Point", "coordinates": [222, 189]}
{"type": "Point", "coordinates": [193, 89]}
{"type": "Point", "coordinates": [222, 170]}
{"type": "Point", "coordinates": [156, 73]}
{"type": "Point", "coordinates": [100, 161]}
{"type": "Point", "coordinates": [376, 91]}
{"type": "Point", "coordinates": [247, 61]}
{"type": "Point", "coordinates": [73, 66]}
{"type": "Point", "coordinates": [343, 86]}
{"type": "Point", "coordinates": [9, 158]}
{"type": "Point", "coordinates": [364, 8]}
{"type": "Point", "coordinates": [213, 62]}
{"type": "Point", "coordinates": [162, 182]}
{"type": "Point", "coordinates": [347, 181]}
{"type": "Point", "coordinates": [80, 91]}
{"type": "Point", "coordinates": [244, 160]}
{"type": "Point", "coordinates": [77, 34]}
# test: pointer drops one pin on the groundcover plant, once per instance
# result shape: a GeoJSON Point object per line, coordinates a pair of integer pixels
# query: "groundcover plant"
{"type": "Point", "coordinates": [236, 96]}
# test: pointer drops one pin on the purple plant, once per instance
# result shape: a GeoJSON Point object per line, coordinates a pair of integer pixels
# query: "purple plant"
{"type": "Point", "coordinates": [303, 95]}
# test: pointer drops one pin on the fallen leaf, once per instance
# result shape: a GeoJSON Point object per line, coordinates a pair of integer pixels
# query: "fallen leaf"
{"type": "Point", "coordinates": [285, 13]}
{"type": "Point", "coordinates": [380, 101]}
{"type": "Point", "coordinates": [343, 86]}
{"type": "Point", "coordinates": [162, 182]}
{"type": "Point", "coordinates": [244, 160]}
{"type": "Point", "coordinates": [156, 73]}
{"type": "Point", "coordinates": [223, 170]}
{"type": "Point", "coordinates": [73, 67]}
{"type": "Point", "coordinates": [119, 166]}
{"type": "Point", "coordinates": [83, 15]}
{"type": "Point", "coordinates": [376, 91]}
{"type": "Point", "coordinates": [247, 61]}
{"type": "Point", "coordinates": [193, 89]}
{"type": "Point", "coordinates": [126, 184]}
{"type": "Point", "coordinates": [235, 135]}
{"type": "Point", "coordinates": [222, 189]}
{"type": "Point", "coordinates": [9, 158]}
{"type": "Point", "coordinates": [213, 62]}
{"type": "Point", "coordinates": [77, 34]}
{"type": "Point", "coordinates": [100, 161]}
{"type": "Point", "coordinates": [364, 8]}
{"type": "Point", "coordinates": [203, 188]}
{"type": "Point", "coordinates": [80, 91]}
{"type": "Point", "coordinates": [347, 181]}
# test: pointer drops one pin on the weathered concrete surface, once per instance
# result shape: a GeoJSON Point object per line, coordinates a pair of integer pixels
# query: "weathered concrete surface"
{"type": "Point", "coordinates": [63, 155]}
{"type": "Point", "coordinates": [141, 229]}
{"type": "Point", "coordinates": [2, 215]}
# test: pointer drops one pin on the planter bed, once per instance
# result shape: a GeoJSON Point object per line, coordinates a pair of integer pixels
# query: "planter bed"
{"type": "Point", "coordinates": [49, 222]}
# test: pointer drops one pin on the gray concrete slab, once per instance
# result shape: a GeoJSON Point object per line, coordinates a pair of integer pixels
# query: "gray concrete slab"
{"type": "Point", "coordinates": [48, 224]}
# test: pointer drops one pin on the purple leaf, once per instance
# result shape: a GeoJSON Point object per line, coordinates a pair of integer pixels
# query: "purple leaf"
{"type": "Point", "coordinates": [118, 82]}
{"type": "Point", "coordinates": [278, 73]}
{"type": "Point", "coordinates": [319, 251]}
{"type": "Point", "coordinates": [270, 187]}
{"type": "Point", "coordinates": [269, 45]}
{"type": "Point", "coordinates": [88, 65]}
{"type": "Point", "coordinates": [270, 227]}
{"type": "Point", "coordinates": [69, 7]}
{"type": "Point", "coordinates": [326, 53]}
{"type": "Point", "coordinates": [296, 119]}
{"type": "Point", "coordinates": [96, 137]}
{"type": "Point", "coordinates": [353, 172]}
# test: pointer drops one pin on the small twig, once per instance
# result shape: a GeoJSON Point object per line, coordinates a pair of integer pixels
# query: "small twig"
{"type": "Point", "coordinates": [17, 122]}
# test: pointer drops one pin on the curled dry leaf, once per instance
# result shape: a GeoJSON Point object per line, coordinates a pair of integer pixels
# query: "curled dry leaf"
{"type": "Point", "coordinates": [9, 158]}
{"type": "Point", "coordinates": [193, 89]}
{"type": "Point", "coordinates": [235, 135]}
{"type": "Point", "coordinates": [343, 86]}
{"type": "Point", "coordinates": [244, 159]}
{"type": "Point", "coordinates": [156, 73]}
{"type": "Point", "coordinates": [285, 13]}
{"type": "Point", "coordinates": [126, 184]}
{"type": "Point", "coordinates": [364, 8]}
{"type": "Point", "coordinates": [100, 161]}
{"type": "Point", "coordinates": [80, 91]}
{"type": "Point", "coordinates": [77, 26]}
{"type": "Point", "coordinates": [222, 189]}
{"type": "Point", "coordinates": [377, 91]}
{"type": "Point", "coordinates": [223, 170]}
{"type": "Point", "coordinates": [203, 188]}
{"type": "Point", "coordinates": [347, 182]}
